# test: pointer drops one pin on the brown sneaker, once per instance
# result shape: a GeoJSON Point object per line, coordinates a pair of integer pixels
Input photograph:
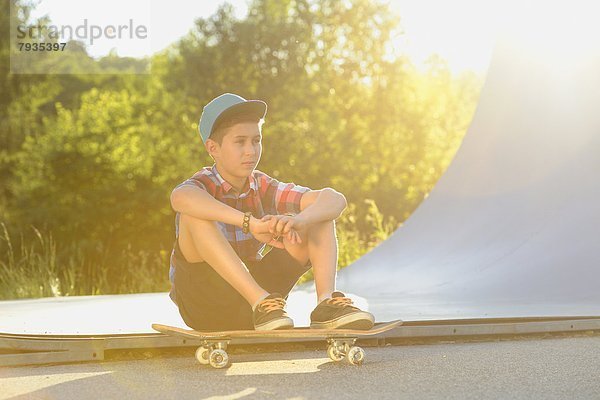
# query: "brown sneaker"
{"type": "Point", "coordinates": [269, 314]}
{"type": "Point", "coordinates": [339, 312]}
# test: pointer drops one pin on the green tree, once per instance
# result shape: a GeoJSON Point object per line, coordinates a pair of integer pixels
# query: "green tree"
{"type": "Point", "coordinates": [90, 160]}
{"type": "Point", "coordinates": [337, 98]}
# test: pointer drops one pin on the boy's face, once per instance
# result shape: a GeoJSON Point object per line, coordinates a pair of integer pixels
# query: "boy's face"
{"type": "Point", "coordinates": [240, 150]}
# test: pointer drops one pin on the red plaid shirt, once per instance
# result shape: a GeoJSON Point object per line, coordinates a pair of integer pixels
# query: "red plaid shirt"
{"type": "Point", "coordinates": [261, 195]}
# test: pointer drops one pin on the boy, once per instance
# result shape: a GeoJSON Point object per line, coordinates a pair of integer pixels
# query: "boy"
{"type": "Point", "coordinates": [228, 269]}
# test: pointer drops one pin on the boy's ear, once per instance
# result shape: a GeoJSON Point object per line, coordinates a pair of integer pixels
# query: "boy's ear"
{"type": "Point", "coordinates": [211, 146]}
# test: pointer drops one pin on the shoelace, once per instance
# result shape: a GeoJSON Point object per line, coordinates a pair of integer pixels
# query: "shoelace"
{"type": "Point", "coordinates": [341, 301]}
{"type": "Point", "coordinates": [272, 304]}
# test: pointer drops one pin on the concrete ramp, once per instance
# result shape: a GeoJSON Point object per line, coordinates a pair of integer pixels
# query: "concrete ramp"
{"type": "Point", "coordinates": [513, 227]}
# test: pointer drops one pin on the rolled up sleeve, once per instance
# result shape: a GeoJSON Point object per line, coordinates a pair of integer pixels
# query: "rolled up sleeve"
{"type": "Point", "coordinates": [280, 198]}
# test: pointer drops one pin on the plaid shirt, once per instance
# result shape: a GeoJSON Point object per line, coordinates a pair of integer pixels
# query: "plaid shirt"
{"type": "Point", "coordinates": [261, 195]}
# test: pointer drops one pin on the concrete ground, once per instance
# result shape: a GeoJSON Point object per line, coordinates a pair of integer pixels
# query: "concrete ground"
{"type": "Point", "coordinates": [528, 368]}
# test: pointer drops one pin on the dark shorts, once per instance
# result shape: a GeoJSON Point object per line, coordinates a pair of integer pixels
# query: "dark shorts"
{"type": "Point", "coordinates": [208, 303]}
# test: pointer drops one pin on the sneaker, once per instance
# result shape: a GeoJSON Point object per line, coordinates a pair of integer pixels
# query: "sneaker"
{"type": "Point", "coordinates": [339, 312]}
{"type": "Point", "coordinates": [269, 314]}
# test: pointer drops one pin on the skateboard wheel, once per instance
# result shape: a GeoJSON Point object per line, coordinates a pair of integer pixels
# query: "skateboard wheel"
{"type": "Point", "coordinates": [202, 354]}
{"type": "Point", "coordinates": [218, 358]}
{"type": "Point", "coordinates": [334, 353]}
{"type": "Point", "coordinates": [356, 355]}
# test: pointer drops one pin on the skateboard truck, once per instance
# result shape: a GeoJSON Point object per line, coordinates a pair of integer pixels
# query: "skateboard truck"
{"type": "Point", "coordinates": [213, 353]}
{"type": "Point", "coordinates": [340, 348]}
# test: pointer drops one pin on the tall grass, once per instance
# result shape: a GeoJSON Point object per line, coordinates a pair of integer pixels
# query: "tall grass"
{"type": "Point", "coordinates": [33, 268]}
{"type": "Point", "coordinates": [30, 270]}
{"type": "Point", "coordinates": [37, 268]}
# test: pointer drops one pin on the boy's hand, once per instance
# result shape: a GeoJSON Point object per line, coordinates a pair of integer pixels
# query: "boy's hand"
{"type": "Point", "coordinates": [289, 225]}
{"type": "Point", "coordinates": [259, 228]}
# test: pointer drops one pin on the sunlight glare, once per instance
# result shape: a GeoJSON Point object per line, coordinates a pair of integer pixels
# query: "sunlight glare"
{"type": "Point", "coordinates": [559, 32]}
{"type": "Point", "coordinates": [462, 32]}
{"type": "Point", "coordinates": [25, 386]}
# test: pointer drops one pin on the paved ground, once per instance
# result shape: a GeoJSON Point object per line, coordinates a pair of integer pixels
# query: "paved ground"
{"type": "Point", "coordinates": [554, 368]}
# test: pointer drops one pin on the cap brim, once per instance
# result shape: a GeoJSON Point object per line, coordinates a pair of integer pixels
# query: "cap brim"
{"type": "Point", "coordinates": [256, 108]}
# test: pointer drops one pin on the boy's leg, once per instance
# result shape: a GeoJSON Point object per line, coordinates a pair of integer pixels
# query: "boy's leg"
{"type": "Point", "coordinates": [201, 240]}
{"type": "Point", "coordinates": [320, 246]}
{"type": "Point", "coordinates": [334, 309]}
{"type": "Point", "coordinates": [226, 278]}
{"type": "Point", "coordinates": [206, 301]}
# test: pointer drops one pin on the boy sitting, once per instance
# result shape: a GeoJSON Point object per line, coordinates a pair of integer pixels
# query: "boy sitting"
{"type": "Point", "coordinates": [229, 270]}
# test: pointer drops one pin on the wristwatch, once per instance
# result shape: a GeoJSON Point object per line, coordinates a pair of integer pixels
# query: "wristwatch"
{"type": "Point", "coordinates": [246, 223]}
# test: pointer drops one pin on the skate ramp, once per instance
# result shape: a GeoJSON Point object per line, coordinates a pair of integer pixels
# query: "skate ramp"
{"type": "Point", "coordinates": [513, 226]}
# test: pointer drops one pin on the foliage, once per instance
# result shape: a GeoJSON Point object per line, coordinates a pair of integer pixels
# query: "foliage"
{"type": "Point", "coordinates": [90, 160]}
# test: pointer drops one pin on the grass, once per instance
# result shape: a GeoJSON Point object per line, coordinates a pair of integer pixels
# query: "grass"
{"type": "Point", "coordinates": [34, 268]}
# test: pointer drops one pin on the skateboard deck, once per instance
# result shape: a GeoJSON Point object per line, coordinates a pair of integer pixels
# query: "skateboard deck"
{"type": "Point", "coordinates": [341, 341]}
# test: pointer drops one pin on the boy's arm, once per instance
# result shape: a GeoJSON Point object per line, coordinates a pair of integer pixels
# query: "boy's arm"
{"type": "Point", "coordinates": [322, 205]}
{"type": "Point", "coordinates": [315, 205]}
{"type": "Point", "coordinates": [199, 203]}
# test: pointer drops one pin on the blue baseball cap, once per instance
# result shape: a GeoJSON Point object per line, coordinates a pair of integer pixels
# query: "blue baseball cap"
{"type": "Point", "coordinates": [226, 106]}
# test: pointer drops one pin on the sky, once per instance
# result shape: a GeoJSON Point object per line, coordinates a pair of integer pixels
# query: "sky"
{"type": "Point", "coordinates": [461, 31]}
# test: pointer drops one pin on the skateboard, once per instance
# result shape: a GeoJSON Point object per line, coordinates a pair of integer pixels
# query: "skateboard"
{"type": "Point", "coordinates": [213, 350]}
